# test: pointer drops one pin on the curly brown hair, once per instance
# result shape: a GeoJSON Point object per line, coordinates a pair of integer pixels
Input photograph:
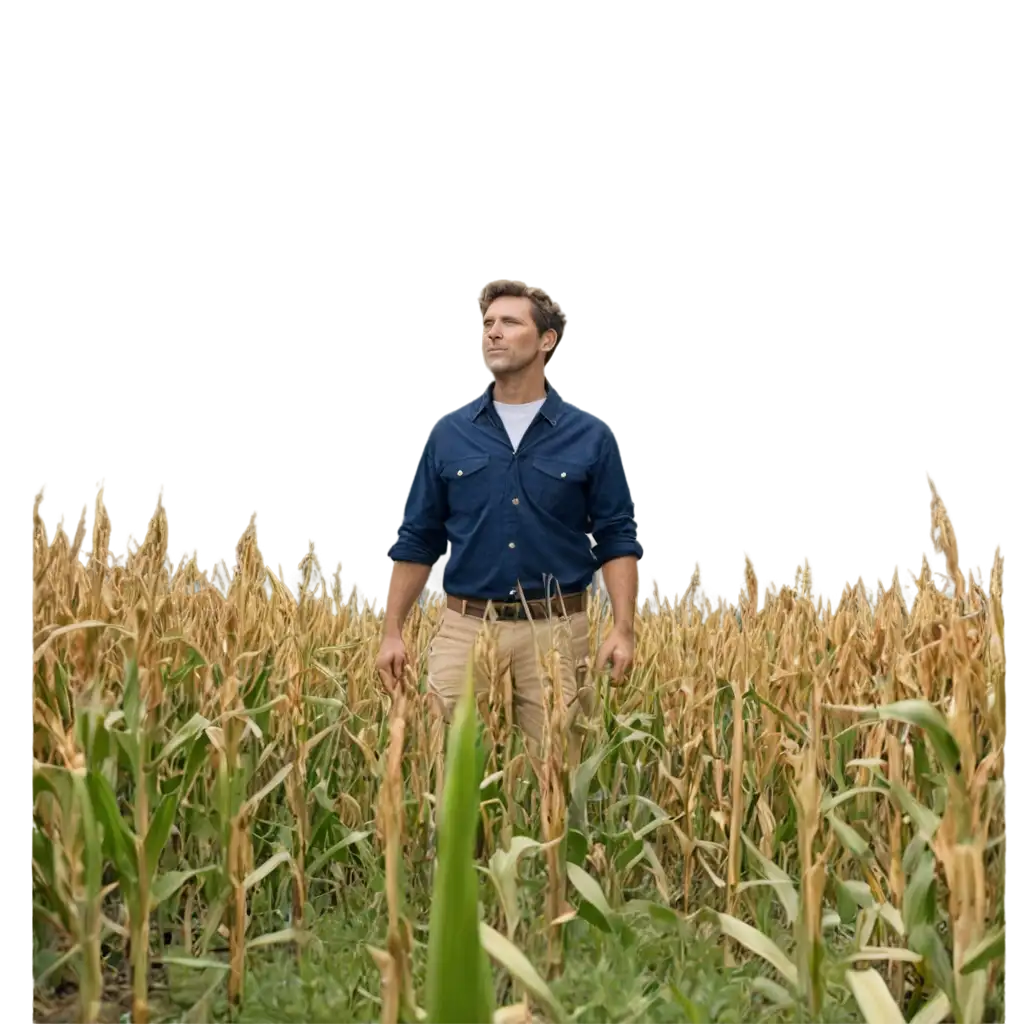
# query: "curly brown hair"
{"type": "Point", "coordinates": [547, 314]}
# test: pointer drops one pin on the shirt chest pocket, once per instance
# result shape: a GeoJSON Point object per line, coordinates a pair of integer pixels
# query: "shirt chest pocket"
{"type": "Point", "coordinates": [467, 483]}
{"type": "Point", "coordinates": [558, 487]}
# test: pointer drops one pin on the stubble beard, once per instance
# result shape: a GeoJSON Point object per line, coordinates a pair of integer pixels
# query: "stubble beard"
{"type": "Point", "coordinates": [509, 368]}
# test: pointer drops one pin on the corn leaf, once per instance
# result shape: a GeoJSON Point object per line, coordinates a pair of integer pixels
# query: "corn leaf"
{"type": "Point", "coordinates": [515, 962]}
{"type": "Point", "coordinates": [589, 889]}
{"type": "Point", "coordinates": [873, 997]}
{"type": "Point", "coordinates": [459, 986]}
{"type": "Point", "coordinates": [166, 885]}
{"type": "Point", "coordinates": [759, 944]}
{"type": "Point", "coordinates": [935, 1011]}
{"type": "Point", "coordinates": [984, 952]}
{"type": "Point", "coordinates": [784, 886]}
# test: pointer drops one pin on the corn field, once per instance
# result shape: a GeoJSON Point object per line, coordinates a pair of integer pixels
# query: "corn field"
{"type": "Point", "coordinates": [814, 794]}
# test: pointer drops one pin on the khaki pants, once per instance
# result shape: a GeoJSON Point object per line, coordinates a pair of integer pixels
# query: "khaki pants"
{"type": "Point", "coordinates": [455, 643]}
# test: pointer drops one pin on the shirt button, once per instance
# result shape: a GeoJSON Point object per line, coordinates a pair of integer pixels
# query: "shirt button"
{"type": "Point", "coordinates": [563, 476]}
{"type": "Point", "coordinates": [460, 473]}
{"type": "Point", "coordinates": [512, 544]}
{"type": "Point", "coordinates": [515, 501]}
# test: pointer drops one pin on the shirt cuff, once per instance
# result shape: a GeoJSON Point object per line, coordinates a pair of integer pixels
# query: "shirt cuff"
{"type": "Point", "coordinates": [609, 549]}
{"type": "Point", "coordinates": [409, 551]}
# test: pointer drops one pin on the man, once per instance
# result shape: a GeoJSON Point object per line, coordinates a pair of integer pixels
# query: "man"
{"type": "Point", "coordinates": [516, 480]}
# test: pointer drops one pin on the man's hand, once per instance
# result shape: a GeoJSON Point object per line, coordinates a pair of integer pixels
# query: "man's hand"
{"type": "Point", "coordinates": [617, 649]}
{"type": "Point", "coordinates": [391, 661]}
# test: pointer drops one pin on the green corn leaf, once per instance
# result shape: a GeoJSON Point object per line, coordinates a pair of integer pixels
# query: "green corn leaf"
{"type": "Point", "coordinates": [935, 1011]}
{"type": "Point", "coordinates": [296, 935]}
{"type": "Point", "coordinates": [349, 840]}
{"type": "Point", "coordinates": [919, 903]}
{"type": "Point", "coordinates": [797, 728]}
{"type": "Point", "coordinates": [849, 837]}
{"type": "Point", "coordinates": [60, 686]}
{"type": "Point", "coordinates": [197, 759]}
{"type": "Point", "coordinates": [503, 867]}
{"type": "Point", "coordinates": [926, 941]}
{"type": "Point", "coordinates": [628, 855]}
{"type": "Point", "coordinates": [576, 847]}
{"type": "Point", "coordinates": [192, 728]}
{"type": "Point", "coordinates": [831, 802]}
{"type": "Point", "coordinates": [214, 916]}
{"type": "Point", "coordinates": [970, 997]}
{"type": "Point", "coordinates": [927, 821]}
{"type": "Point", "coordinates": [56, 963]}
{"type": "Point", "coordinates": [933, 722]}
{"type": "Point", "coordinates": [984, 952]}
{"type": "Point", "coordinates": [873, 997]}
{"type": "Point", "coordinates": [129, 743]}
{"type": "Point", "coordinates": [913, 852]}
{"type": "Point", "coordinates": [159, 832]}
{"type": "Point", "coordinates": [696, 1013]}
{"type": "Point", "coordinates": [580, 786]}
{"type": "Point", "coordinates": [130, 696]}
{"type": "Point", "coordinates": [858, 891]}
{"type": "Point", "coordinates": [118, 839]}
{"type": "Point", "coordinates": [659, 872]}
{"type": "Point", "coordinates": [758, 943]}
{"type": "Point", "coordinates": [48, 778]}
{"type": "Point", "coordinates": [515, 962]}
{"type": "Point", "coordinates": [166, 885]}
{"type": "Point", "coordinates": [196, 963]}
{"type": "Point", "coordinates": [784, 886]}
{"type": "Point", "coordinates": [93, 854]}
{"type": "Point", "coordinates": [265, 869]}
{"type": "Point", "coordinates": [459, 985]}
{"type": "Point", "coordinates": [253, 802]}
{"type": "Point", "coordinates": [773, 991]}
{"type": "Point", "coordinates": [921, 714]}
{"type": "Point", "coordinates": [657, 912]}
{"type": "Point", "coordinates": [589, 889]}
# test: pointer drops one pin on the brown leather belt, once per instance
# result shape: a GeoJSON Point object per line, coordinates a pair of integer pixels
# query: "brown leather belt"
{"type": "Point", "coordinates": [514, 609]}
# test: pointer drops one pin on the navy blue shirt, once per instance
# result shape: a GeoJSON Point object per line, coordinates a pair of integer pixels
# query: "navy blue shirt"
{"type": "Point", "coordinates": [518, 516]}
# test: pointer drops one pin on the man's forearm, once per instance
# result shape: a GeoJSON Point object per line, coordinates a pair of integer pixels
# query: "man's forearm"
{"type": "Point", "coordinates": [621, 581]}
{"type": "Point", "coordinates": [407, 582]}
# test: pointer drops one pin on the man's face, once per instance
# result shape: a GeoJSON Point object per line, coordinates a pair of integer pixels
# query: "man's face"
{"type": "Point", "coordinates": [511, 341]}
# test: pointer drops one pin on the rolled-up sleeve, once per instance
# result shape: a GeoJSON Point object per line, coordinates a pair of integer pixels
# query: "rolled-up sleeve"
{"type": "Point", "coordinates": [611, 507]}
{"type": "Point", "coordinates": [422, 537]}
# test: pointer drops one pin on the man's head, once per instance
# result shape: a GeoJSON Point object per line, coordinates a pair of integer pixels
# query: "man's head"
{"type": "Point", "coordinates": [521, 325]}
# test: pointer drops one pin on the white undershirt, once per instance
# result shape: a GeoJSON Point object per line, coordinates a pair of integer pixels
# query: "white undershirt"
{"type": "Point", "coordinates": [517, 418]}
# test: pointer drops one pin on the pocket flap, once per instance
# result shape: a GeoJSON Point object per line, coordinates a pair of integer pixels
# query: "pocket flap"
{"type": "Point", "coordinates": [561, 470]}
{"type": "Point", "coordinates": [458, 468]}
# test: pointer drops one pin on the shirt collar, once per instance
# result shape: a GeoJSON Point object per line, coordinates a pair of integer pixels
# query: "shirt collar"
{"type": "Point", "coordinates": [550, 410]}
